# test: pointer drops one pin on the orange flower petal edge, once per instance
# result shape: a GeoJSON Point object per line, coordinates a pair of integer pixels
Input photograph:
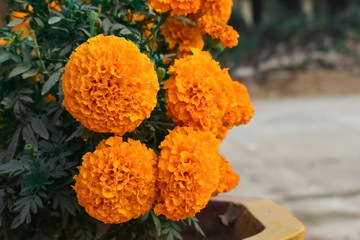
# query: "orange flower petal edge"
{"type": "Point", "coordinates": [228, 178]}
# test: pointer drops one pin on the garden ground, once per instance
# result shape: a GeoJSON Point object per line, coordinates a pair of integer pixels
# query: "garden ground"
{"type": "Point", "coordinates": [302, 150]}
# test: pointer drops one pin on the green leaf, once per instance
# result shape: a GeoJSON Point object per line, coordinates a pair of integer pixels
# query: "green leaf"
{"type": "Point", "coordinates": [30, 73]}
{"type": "Point", "coordinates": [50, 83]}
{"type": "Point", "coordinates": [11, 149]}
{"type": "Point", "coordinates": [15, 22]}
{"type": "Point", "coordinates": [14, 167]}
{"type": "Point", "coordinates": [39, 22]}
{"type": "Point", "coordinates": [106, 23]}
{"type": "Point", "coordinates": [65, 50]}
{"type": "Point", "coordinates": [26, 98]}
{"type": "Point", "coordinates": [29, 137]}
{"type": "Point", "coordinates": [39, 128]}
{"type": "Point", "coordinates": [4, 56]}
{"type": "Point", "coordinates": [143, 218]}
{"type": "Point", "coordinates": [157, 224]}
{"type": "Point", "coordinates": [77, 133]}
{"type": "Point", "coordinates": [19, 70]}
{"type": "Point", "coordinates": [54, 20]}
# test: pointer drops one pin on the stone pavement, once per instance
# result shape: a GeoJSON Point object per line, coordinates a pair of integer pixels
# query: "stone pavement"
{"type": "Point", "coordinates": [303, 153]}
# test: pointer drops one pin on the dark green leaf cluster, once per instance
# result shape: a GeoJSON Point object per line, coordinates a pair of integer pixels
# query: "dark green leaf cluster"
{"type": "Point", "coordinates": [41, 144]}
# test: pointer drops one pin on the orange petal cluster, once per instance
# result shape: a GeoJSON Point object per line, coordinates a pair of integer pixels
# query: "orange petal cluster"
{"type": "Point", "coordinates": [116, 182]}
{"type": "Point", "coordinates": [24, 27]}
{"type": "Point", "coordinates": [228, 178]}
{"type": "Point", "coordinates": [200, 95]}
{"type": "Point", "coordinates": [219, 8]}
{"type": "Point", "coordinates": [176, 7]}
{"type": "Point", "coordinates": [188, 172]}
{"type": "Point", "coordinates": [109, 86]}
{"type": "Point", "coordinates": [217, 29]}
{"type": "Point", "coordinates": [240, 110]}
{"type": "Point", "coordinates": [182, 36]}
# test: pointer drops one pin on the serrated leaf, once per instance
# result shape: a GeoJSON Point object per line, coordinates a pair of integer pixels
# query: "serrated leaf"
{"type": "Point", "coordinates": [4, 56]}
{"type": "Point", "coordinates": [13, 168]}
{"type": "Point", "coordinates": [85, 32]}
{"type": "Point", "coordinates": [50, 83]}
{"type": "Point", "coordinates": [15, 22]}
{"type": "Point", "coordinates": [39, 128]}
{"type": "Point", "coordinates": [29, 137]}
{"type": "Point", "coordinates": [106, 23]}
{"type": "Point", "coordinates": [77, 133]}
{"type": "Point", "coordinates": [65, 50]}
{"type": "Point", "coordinates": [19, 70]}
{"type": "Point", "coordinates": [11, 149]}
{"type": "Point", "coordinates": [39, 22]}
{"type": "Point", "coordinates": [16, 222]}
{"type": "Point", "coordinates": [54, 20]}
{"type": "Point", "coordinates": [157, 224]}
{"type": "Point", "coordinates": [30, 73]}
{"type": "Point", "coordinates": [143, 217]}
{"type": "Point", "coordinates": [117, 26]}
{"type": "Point", "coordinates": [26, 98]}
{"type": "Point", "coordinates": [125, 31]}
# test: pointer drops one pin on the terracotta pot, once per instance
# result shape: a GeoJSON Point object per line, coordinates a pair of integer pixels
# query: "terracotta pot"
{"type": "Point", "coordinates": [234, 218]}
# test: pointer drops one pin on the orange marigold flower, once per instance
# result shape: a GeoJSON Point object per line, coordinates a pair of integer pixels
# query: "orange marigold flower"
{"type": "Point", "coordinates": [228, 178]}
{"type": "Point", "coordinates": [240, 110]}
{"type": "Point", "coordinates": [182, 36]}
{"type": "Point", "coordinates": [218, 8]}
{"type": "Point", "coordinates": [116, 182]}
{"type": "Point", "coordinates": [176, 7]}
{"type": "Point", "coordinates": [24, 27]}
{"type": "Point", "coordinates": [109, 86]}
{"type": "Point", "coordinates": [217, 29]}
{"type": "Point", "coordinates": [196, 94]}
{"type": "Point", "coordinates": [188, 172]}
{"type": "Point", "coordinates": [49, 98]}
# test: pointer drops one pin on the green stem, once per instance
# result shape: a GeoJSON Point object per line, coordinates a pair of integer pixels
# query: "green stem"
{"type": "Point", "coordinates": [163, 18]}
{"type": "Point", "coordinates": [32, 32]}
{"type": "Point", "coordinates": [93, 17]}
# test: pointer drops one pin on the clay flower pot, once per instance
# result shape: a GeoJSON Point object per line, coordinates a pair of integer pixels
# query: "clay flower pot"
{"type": "Point", "coordinates": [235, 218]}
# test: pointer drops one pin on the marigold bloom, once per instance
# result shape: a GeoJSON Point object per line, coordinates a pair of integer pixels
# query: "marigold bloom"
{"type": "Point", "coordinates": [24, 27]}
{"type": "Point", "coordinates": [196, 94]}
{"type": "Point", "coordinates": [219, 8]}
{"type": "Point", "coordinates": [182, 36]}
{"type": "Point", "coordinates": [109, 86]}
{"type": "Point", "coordinates": [116, 182]}
{"type": "Point", "coordinates": [228, 178]}
{"type": "Point", "coordinates": [49, 98]}
{"type": "Point", "coordinates": [240, 110]}
{"type": "Point", "coordinates": [188, 172]}
{"type": "Point", "coordinates": [217, 29]}
{"type": "Point", "coordinates": [176, 7]}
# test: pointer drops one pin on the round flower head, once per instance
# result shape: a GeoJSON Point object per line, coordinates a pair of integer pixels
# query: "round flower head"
{"type": "Point", "coordinates": [188, 172]}
{"type": "Point", "coordinates": [217, 29]}
{"type": "Point", "coordinates": [182, 36]}
{"type": "Point", "coordinates": [116, 182]}
{"type": "Point", "coordinates": [219, 8]}
{"type": "Point", "coordinates": [196, 94]}
{"type": "Point", "coordinates": [109, 86]}
{"type": "Point", "coordinates": [240, 109]}
{"type": "Point", "coordinates": [228, 178]}
{"type": "Point", "coordinates": [176, 7]}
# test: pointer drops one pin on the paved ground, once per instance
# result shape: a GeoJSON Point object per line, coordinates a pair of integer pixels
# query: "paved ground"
{"type": "Point", "coordinates": [304, 154]}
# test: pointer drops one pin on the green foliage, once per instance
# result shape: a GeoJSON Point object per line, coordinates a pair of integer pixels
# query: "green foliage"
{"type": "Point", "coordinates": [41, 145]}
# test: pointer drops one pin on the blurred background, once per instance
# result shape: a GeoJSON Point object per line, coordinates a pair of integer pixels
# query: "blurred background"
{"type": "Point", "coordinates": [300, 62]}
